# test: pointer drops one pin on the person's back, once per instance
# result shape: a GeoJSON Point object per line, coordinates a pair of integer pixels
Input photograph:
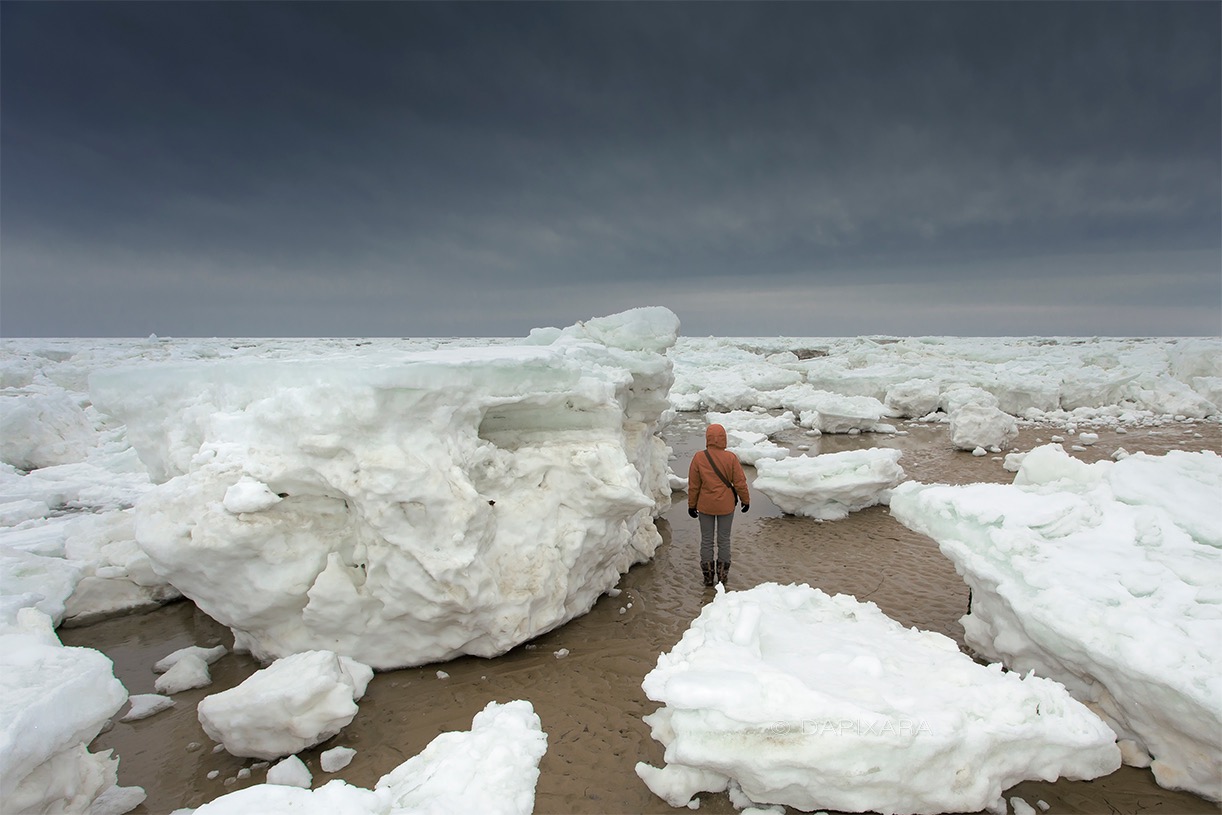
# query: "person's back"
{"type": "Point", "coordinates": [715, 484]}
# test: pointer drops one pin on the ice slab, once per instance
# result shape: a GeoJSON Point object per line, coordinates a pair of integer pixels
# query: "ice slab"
{"type": "Point", "coordinates": [53, 702]}
{"type": "Point", "coordinates": [1106, 578]}
{"type": "Point", "coordinates": [974, 425]}
{"type": "Point", "coordinates": [404, 508]}
{"type": "Point", "coordinates": [294, 703]}
{"type": "Point", "coordinates": [492, 768]}
{"type": "Point", "coordinates": [830, 486]}
{"type": "Point", "coordinates": [821, 702]}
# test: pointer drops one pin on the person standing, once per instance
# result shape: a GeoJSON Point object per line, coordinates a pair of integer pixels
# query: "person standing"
{"type": "Point", "coordinates": [716, 483]}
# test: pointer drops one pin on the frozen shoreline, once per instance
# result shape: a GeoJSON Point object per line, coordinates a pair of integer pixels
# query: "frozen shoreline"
{"type": "Point", "coordinates": [74, 505]}
{"type": "Point", "coordinates": [591, 702]}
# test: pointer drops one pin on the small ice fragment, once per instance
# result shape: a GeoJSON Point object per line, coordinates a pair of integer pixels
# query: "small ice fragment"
{"type": "Point", "coordinates": [1021, 807]}
{"type": "Point", "coordinates": [291, 772]}
{"type": "Point", "coordinates": [336, 759]}
{"type": "Point", "coordinates": [208, 655]}
{"type": "Point", "coordinates": [145, 705]}
{"type": "Point", "coordinates": [187, 673]}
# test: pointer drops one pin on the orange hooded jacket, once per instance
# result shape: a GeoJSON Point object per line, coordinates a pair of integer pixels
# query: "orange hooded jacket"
{"type": "Point", "coordinates": [705, 491]}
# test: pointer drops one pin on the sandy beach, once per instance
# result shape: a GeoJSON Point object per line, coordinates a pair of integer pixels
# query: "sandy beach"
{"type": "Point", "coordinates": [590, 700]}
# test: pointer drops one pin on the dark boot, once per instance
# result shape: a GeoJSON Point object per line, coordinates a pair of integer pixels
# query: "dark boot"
{"type": "Point", "coordinates": [708, 569]}
{"type": "Point", "coordinates": [723, 571]}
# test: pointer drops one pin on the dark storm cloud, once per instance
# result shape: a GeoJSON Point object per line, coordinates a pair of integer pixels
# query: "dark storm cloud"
{"type": "Point", "coordinates": [195, 161]}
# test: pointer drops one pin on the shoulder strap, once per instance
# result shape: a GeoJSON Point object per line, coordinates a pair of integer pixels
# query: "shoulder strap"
{"type": "Point", "coordinates": [724, 480]}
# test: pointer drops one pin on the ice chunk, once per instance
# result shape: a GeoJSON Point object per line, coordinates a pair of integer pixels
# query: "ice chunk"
{"type": "Point", "coordinates": [814, 701]}
{"type": "Point", "coordinates": [453, 501]}
{"type": "Point", "coordinates": [23, 509]}
{"type": "Point", "coordinates": [973, 426]}
{"type": "Point", "coordinates": [913, 398]}
{"type": "Point", "coordinates": [291, 772]}
{"type": "Point", "coordinates": [43, 429]}
{"type": "Point", "coordinates": [249, 495]}
{"type": "Point", "coordinates": [188, 672]}
{"type": "Point", "coordinates": [208, 655]}
{"type": "Point", "coordinates": [294, 703]}
{"type": "Point", "coordinates": [833, 413]}
{"type": "Point", "coordinates": [1102, 576]}
{"type": "Point", "coordinates": [493, 768]}
{"type": "Point", "coordinates": [832, 485]}
{"type": "Point", "coordinates": [53, 703]}
{"type": "Point", "coordinates": [145, 705]}
{"type": "Point", "coordinates": [53, 579]}
{"type": "Point", "coordinates": [336, 759]}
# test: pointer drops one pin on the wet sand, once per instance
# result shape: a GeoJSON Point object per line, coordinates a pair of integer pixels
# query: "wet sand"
{"type": "Point", "coordinates": [590, 702]}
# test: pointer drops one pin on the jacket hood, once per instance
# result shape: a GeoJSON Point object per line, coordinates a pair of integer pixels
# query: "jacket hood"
{"type": "Point", "coordinates": [715, 436]}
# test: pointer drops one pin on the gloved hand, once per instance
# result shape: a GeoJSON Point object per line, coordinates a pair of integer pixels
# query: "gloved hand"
{"type": "Point", "coordinates": [746, 507]}
{"type": "Point", "coordinates": [691, 511]}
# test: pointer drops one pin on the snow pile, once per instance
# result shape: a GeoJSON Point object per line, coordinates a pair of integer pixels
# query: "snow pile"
{"type": "Point", "coordinates": [294, 703]}
{"type": "Point", "coordinates": [53, 702]}
{"type": "Point", "coordinates": [1106, 577]}
{"type": "Point", "coordinates": [818, 702]}
{"type": "Point", "coordinates": [492, 768]}
{"type": "Point", "coordinates": [453, 502]}
{"type": "Point", "coordinates": [830, 486]}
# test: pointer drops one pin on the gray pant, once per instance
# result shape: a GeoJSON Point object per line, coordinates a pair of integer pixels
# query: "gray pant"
{"type": "Point", "coordinates": [722, 524]}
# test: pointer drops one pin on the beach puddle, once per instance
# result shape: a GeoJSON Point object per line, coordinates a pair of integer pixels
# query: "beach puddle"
{"type": "Point", "coordinates": [584, 679]}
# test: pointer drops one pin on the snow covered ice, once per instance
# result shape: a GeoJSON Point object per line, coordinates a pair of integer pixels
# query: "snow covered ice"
{"type": "Point", "coordinates": [974, 425]}
{"type": "Point", "coordinates": [557, 431]}
{"type": "Point", "coordinates": [294, 703]}
{"type": "Point", "coordinates": [144, 705]}
{"type": "Point", "coordinates": [813, 701]}
{"type": "Point", "coordinates": [189, 672]}
{"type": "Point", "coordinates": [53, 702]}
{"type": "Point", "coordinates": [336, 759]}
{"type": "Point", "coordinates": [1108, 578]}
{"type": "Point", "coordinates": [456, 502]}
{"type": "Point", "coordinates": [1099, 380]}
{"type": "Point", "coordinates": [492, 768]}
{"type": "Point", "coordinates": [830, 486]}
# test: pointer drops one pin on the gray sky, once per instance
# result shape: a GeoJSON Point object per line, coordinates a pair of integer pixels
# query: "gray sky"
{"type": "Point", "coordinates": [480, 169]}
